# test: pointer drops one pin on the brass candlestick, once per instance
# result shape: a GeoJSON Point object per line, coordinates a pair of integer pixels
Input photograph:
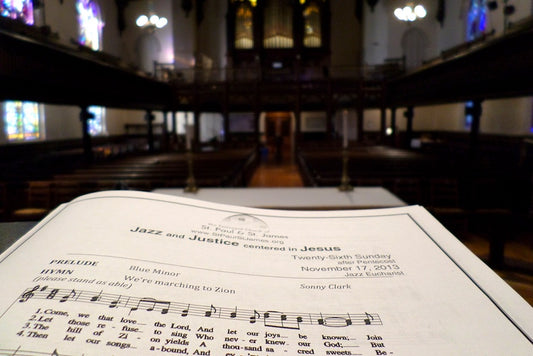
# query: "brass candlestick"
{"type": "Point", "coordinates": [345, 180]}
{"type": "Point", "coordinates": [191, 182]}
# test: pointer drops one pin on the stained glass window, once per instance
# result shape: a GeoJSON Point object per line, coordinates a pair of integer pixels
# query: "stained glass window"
{"type": "Point", "coordinates": [469, 117]}
{"type": "Point", "coordinates": [90, 22]}
{"type": "Point", "coordinates": [476, 24]}
{"type": "Point", "coordinates": [17, 10]}
{"type": "Point", "coordinates": [477, 19]}
{"type": "Point", "coordinates": [22, 120]}
{"type": "Point", "coordinates": [312, 31]}
{"type": "Point", "coordinates": [97, 124]}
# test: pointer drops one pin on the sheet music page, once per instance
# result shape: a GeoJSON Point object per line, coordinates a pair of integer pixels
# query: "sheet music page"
{"type": "Point", "coordinates": [129, 273]}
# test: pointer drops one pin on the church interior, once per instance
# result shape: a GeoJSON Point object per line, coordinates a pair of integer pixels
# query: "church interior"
{"type": "Point", "coordinates": [430, 99]}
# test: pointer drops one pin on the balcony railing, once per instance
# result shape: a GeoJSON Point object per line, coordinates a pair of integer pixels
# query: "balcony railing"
{"type": "Point", "coordinates": [168, 72]}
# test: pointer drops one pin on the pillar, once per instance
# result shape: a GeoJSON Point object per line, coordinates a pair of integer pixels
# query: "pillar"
{"type": "Point", "coordinates": [85, 116]}
{"type": "Point", "coordinates": [174, 127]}
{"type": "Point", "coordinates": [360, 123]}
{"type": "Point", "coordinates": [383, 124]}
{"type": "Point", "coordinates": [394, 133]}
{"type": "Point", "coordinates": [225, 112]}
{"type": "Point", "coordinates": [196, 124]}
{"type": "Point", "coordinates": [409, 115]}
{"type": "Point", "coordinates": [149, 117]}
{"type": "Point", "coordinates": [476, 112]}
{"type": "Point", "coordinates": [473, 152]}
{"type": "Point", "coordinates": [227, 133]}
{"type": "Point", "coordinates": [330, 111]}
{"type": "Point", "coordinates": [257, 115]}
{"type": "Point", "coordinates": [360, 112]}
{"type": "Point", "coordinates": [165, 131]}
{"type": "Point", "coordinates": [330, 130]}
{"type": "Point", "coordinates": [297, 127]}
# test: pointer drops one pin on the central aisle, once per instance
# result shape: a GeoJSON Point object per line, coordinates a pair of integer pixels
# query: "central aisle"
{"type": "Point", "coordinates": [274, 173]}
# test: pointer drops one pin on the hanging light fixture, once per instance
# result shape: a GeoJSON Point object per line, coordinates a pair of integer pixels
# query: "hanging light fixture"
{"type": "Point", "coordinates": [151, 19]}
{"type": "Point", "coordinates": [410, 12]}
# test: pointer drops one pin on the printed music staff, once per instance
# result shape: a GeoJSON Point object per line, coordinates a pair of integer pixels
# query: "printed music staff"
{"type": "Point", "coordinates": [275, 319]}
{"type": "Point", "coordinates": [29, 294]}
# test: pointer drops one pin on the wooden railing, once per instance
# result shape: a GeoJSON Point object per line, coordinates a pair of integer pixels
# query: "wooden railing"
{"type": "Point", "coordinates": [168, 72]}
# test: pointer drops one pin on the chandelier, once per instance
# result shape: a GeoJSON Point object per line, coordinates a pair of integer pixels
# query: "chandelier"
{"type": "Point", "coordinates": [151, 20]}
{"type": "Point", "coordinates": [410, 12]}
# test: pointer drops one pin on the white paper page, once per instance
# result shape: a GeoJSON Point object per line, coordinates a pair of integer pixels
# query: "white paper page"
{"type": "Point", "coordinates": [137, 273]}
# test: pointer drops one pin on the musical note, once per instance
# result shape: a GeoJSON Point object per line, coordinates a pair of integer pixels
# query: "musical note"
{"type": "Point", "coordinates": [335, 321]}
{"type": "Point", "coordinates": [233, 314]}
{"type": "Point", "coordinates": [211, 310]}
{"type": "Point", "coordinates": [28, 294]}
{"type": "Point", "coordinates": [150, 305]}
{"type": "Point", "coordinates": [97, 297]}
{"type": "Point", "coordinates": [280, 320]}
{"type": "Point", "coordinates": [321, 320]}
{"type": "Point", "coordinates": [367, 319]}
{"type": "Point", "coordinates": [115, 302]}
{"type": "Point", "coordinates": [52, 294]}
{"type": "Point", "coordinates": [141, 301]}
{"type": "Point", "coordinates": [253, 318]}
{"type": "Point", "coordinates": [68, 296]}
{"type": "Point", "coordinates": [185, 312]}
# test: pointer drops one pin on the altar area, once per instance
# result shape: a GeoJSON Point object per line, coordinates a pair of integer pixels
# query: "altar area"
{"type": "Point", "coordinates": [325, 198]}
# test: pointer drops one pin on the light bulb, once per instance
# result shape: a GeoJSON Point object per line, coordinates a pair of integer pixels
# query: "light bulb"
{"type": "Point", "coordinates": [141, 20]}
{"type": "Point", "coordinates": [154, 19]}
{"type": "Point", "coordinates": [408, 13]}
{"type": "Point", "coordinates": [399, 14]}
{"type": "Point", "coordinates": [161, 22]}
{"type": "Point", "coordinates": [420, 11]}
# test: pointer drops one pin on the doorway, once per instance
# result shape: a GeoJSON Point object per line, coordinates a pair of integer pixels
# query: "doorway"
{"type": "Point", "coordinates": [277, 168]}
{"type": "Point", "coordinates": [279, 138]}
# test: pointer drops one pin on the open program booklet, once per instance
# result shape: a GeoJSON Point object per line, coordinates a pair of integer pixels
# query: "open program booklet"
{"type": "Point", "coordinates": [131, 273]}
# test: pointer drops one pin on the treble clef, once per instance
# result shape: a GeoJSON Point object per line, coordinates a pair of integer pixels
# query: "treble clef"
{"type": "Point", "coordinates": [28, 294]}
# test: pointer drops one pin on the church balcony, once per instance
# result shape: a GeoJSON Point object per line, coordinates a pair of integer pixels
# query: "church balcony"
{"type": "Point", "coordinates": [248, 89]}
{"type": "Point", "coordinates": [41, 69]}
{"type": "Point", "coordinates": [34, 66]}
